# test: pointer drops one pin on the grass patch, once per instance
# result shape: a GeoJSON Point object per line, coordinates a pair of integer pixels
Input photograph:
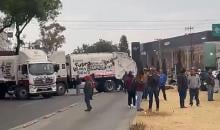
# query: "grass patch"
{"type": "Point", "coordinates": [138, 126]}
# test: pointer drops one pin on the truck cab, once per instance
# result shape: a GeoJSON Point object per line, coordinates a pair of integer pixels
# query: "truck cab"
{"type": "Point", "coordinates": [27, 74]}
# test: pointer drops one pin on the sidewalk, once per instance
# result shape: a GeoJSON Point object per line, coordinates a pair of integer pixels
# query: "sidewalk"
{"type": "Point", "coordinates": [110, 113]}
{"type": "Point", "coordinates": [171, 117]}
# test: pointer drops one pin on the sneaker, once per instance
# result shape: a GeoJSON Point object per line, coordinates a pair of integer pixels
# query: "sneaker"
{"type": "Point", "coordinates": [134, 107]}
{"type": "Point", "coordinates": [183, 107]}
{"type": "Point", "coordinates": [129, 106]}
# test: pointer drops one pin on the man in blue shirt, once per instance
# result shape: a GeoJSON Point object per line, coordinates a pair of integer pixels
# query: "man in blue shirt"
{"type": "Point", "coordinates": [163, 80]}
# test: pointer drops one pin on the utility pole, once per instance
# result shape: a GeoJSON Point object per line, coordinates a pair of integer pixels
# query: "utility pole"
{"type": "Point", "coordinates": [190, 29]}
{"type": "Point", "coordinates": [159, 51]}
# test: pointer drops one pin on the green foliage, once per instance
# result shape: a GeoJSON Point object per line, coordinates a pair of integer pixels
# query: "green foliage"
{"type": "Point", "coordinates": [51, 37]}
{"type": "Point", "coordinates": [123, 45]}
{"type": "Point", "coordinates": [100, 46]}
{"type": "Point", "coordinates": [21, 12]}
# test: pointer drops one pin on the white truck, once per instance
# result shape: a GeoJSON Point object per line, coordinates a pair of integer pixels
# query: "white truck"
{"type": "Point", "coordinates": [108, 69]}
{"type": "Point", "coordinates": [27, 74]}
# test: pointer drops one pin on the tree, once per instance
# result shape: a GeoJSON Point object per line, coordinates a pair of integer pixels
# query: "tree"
{"type": "Point", "coordinates": [20, 12]}
{"type": "Point", "coordinates": [51, 37]}
{"type": "Point", "coordinates": [100, 46]}
{"type": "Point", "coordinates": [123, 45]}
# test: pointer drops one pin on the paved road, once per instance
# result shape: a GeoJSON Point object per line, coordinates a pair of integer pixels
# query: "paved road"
{"type": "Point", "coordinates": [110, 113]}
{"type": "Point", "coordinates": [15, 112]}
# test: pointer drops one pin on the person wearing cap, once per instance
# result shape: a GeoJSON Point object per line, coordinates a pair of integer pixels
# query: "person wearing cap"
{"type": "Point", "coordinates": [182, 83]}
{"type": "Point", "coordinates": [88, 92]}
{"type": "Point", "coordinates": [194, 84]}
{"type": "Point", "coordinates": [139, 85]}
{"type": "Point", "coordinates": [210, 80]}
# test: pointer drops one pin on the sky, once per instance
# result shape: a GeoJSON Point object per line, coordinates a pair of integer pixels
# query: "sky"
{"type": "Point", "coordinates": [87, 21]}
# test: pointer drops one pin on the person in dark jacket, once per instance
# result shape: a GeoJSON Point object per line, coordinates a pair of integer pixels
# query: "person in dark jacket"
{"type": "Point", "coordinates": [153, 85]}
{"type": "Point", "coordinates": [129, 84]}
{"type": "Point", "coordinates": [163, 80]}
{"type": "Point", "coordinates": [210, 85]}
{"type": "Point", "coordinates": [182, 83]}
{"type": "Point", "coordinates": [139, 84]}
{"type": "Point", "coordinates": [88, 92]}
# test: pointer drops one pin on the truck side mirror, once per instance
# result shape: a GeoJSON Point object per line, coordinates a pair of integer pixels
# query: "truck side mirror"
{"type": "Point", "coordinates": [24, 69]}
{"type": "Point", "coordinates": [56, 67]}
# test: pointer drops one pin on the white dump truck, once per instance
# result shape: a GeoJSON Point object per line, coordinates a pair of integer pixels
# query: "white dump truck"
{"type": "Point", "coordinates": [27, 74]}
{"type": "Point", "coordinates": [108, 69]}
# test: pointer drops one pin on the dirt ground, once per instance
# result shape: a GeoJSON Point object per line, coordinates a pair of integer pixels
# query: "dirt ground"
{"type": "Point", "coordinates": [171, 117]}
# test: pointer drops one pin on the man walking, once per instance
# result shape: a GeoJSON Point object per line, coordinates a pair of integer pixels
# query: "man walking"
{"type": "Point", "coordinates": [153, 84]}
{"type": "Point", "coordinates": [131, 90]}
{"type": "Point", "coordinates": [163, 80]}
{"type": "Point", "coordinates": [88, 92]}
{"type": "Point", "coordinates": [182, 83]}
{"type": "Point", "coordinates": [194, 84]}
{"type": "Point", "coordinates": [210, 83]}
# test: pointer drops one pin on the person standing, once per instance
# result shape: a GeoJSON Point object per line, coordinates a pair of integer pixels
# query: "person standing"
{"type": "Point", "coordinates": [182, 83]}
{"type": "Point", "coordinates": [218, 77]}
{"type": "Point", "coordinates": [78, 82]}
{"type": "Point", "coordinates": [146, 89]}
{"type": "Point", "coordinates": [124, 78]}
{"type": "Point", "coordinates": [139, 84]}
{"type": "Point", "coordinates": [194, 84]}
{"type": "Point", "coordinates": [163, 80]}
{"type": "Point", "coordinates": [88, 92]}
{"type": "Point", "coordinates": [153, 85]}
{"type": "Point", "coordinates": [210, 85]}
{"type": "Point", "coordinates": [129, 84]}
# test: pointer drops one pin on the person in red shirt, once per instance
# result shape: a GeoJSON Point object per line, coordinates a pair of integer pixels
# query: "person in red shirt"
{"type": "Point", "coordinates": [131, 90]}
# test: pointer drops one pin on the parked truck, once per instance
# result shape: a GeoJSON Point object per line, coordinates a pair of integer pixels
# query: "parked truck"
{"type": "Point", "coordinates": [108, 69]}
{"type": "Point", "coordinates": [27, 74]}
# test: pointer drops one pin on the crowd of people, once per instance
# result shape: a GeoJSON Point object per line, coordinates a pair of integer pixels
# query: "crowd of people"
{"type": "Point", "coordinates": [148, 83]}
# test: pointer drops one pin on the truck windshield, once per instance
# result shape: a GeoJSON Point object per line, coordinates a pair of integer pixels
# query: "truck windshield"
{"type": "Point", "coordinates": [41, 69]}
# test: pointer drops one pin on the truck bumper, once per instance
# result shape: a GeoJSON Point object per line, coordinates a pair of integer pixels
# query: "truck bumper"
{"type": "Point", "coordinates": [42, 89]}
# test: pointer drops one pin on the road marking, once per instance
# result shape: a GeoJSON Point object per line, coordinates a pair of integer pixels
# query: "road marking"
{"type": "Point", "coordinates": [25, 125]}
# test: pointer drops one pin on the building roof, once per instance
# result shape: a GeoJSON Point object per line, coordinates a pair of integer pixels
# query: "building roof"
{"type": "Point", "coordinates": [184, 40]}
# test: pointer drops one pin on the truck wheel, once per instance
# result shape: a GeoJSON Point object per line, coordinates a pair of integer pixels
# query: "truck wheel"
{"type": "Point", "coordinates": [22, 93]}
{"type": "Point", "coordinates": [61, 89]}
{"type": "Point", "coordinates": [109, 86]}
{"type": "Point", "coordinates": [46, 95]}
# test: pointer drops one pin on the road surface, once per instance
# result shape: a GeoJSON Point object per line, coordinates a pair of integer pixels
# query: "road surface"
{"type": "Point", "coordinates": [15, 112]}
{"type": "Point", "coordinates": [110, 113]}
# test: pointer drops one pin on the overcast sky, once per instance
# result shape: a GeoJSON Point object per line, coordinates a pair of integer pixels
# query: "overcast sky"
{"type": "Point", "coordinates": [87, 21]}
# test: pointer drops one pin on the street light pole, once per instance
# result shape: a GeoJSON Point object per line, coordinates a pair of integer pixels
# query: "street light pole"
{"type": "Point", "coordinates": [190, 28]}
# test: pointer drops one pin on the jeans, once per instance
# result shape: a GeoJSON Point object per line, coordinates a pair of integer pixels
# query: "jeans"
{"type": "Point", "coordinates": [194, 93]}
{"type": "Point", "coordinates": [154, 92]}
{"type": "Point", "coordinates": [139, 99]}
{"type": "Point", "coordinates": [164, 92]}
{"type": "Point", "coordinates": [87, 101]}
{"type": "Point", "coordinates": [210, 93]}
{"type": "Point", "coordinates": [131, 97]}
{"type": "Point", "coordinates": [182, 95]}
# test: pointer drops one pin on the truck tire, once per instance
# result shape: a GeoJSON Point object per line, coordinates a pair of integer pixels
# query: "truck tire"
{"type": "Point", "coordinates": [109, 85]}
{"type": "Point", "coordinates": [61, 89]}
{"type": "Point", "coordinates": [22, 93]}
{"type": "Point", "coordinates": [46, 95]}
{"type": "Point", "coordinates": [100, 86]}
